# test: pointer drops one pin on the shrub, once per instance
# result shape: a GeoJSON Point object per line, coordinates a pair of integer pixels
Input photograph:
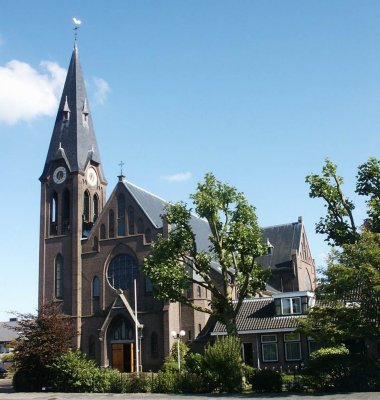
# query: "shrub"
{"type": "Point", "coordinates": [194, 363]}
{"type": "Point", "coordinates": [335, 369]}
{"type": "Point", "coordinates": [166, 382]}
{"type": "Point", "coordinates": [248, 373]}
{"type": "Point", "coordinates": [223, 364]}
{"type": "Point", "coordinates": [138, 383]}
{"type": "Point", "coordinates": [266, 380]}
{"type": "Point", "coordinates": [190, 382]}
{"type": "Point", "coordinates": [73, 372]}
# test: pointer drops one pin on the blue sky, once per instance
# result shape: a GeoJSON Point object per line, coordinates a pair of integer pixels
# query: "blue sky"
{"type": "Point", "coordinates": [258, 92]}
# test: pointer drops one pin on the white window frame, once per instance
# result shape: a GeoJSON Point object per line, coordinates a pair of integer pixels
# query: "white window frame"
{"type": "Point", "coordinates": [291, 300]}
{"type": "Point", "coordinates": [268, 340]}
{"type": "Point", "coordinates": [295, 340]}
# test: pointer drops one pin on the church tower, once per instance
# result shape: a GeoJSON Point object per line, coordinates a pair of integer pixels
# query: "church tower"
{"type": "Point", "coordinates": [73, 194]}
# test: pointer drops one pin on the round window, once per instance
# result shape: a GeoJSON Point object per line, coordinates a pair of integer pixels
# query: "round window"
{"type": "Point", "coordinates": [122, 271]}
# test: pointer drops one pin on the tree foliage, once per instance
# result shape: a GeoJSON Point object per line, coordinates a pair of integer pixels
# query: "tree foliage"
{"type": "Point", "coordinates": [42, 338]}
{"type": "Point", "coordinates": [349, 291]}
{"type": "Point", "coordinates": [235, 242]}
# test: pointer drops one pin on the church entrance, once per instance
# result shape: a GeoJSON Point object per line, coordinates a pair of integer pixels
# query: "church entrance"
{"type": "Point", "coordinates": [123, 357]}
{"type": "Point", "coordinates": [122, 344]}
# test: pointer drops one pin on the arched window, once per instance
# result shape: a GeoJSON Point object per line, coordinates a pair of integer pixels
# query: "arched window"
{"type": "Point", "coordinates": [65, 212]}
{"type": "Point", "coordinates": [148, 236]}
{"type": "Point", "coordinates": [140, 226]}
{"type": "Point", "coordinates": [122, 271]}
{"type": "Point", "coordinates": [58, 271]}
{"type": "Point", "coordinates": [54, 214]}
{"type": "Point", "coordinates": [131, 220]}
{"type": "Point", "coordinates": [121, 329]}
{"type": "Point", "coordinates": [199, 291]}
{"type": "Point", "coordinates": [121, 215]}
{"type": "Point", "coordinates": [154, 344]}
{"type": "Point", "coordinates": [95, 207]}
{"type": "Point", "coordinates": [111, 224]}
{"type": "Point", "coordinates": [91, 347]}
{"type": "Point", "coordinates": [86, 207]}
{"type": "Point", "coordinates": [102, 231]}
{"type": "Point", "coordinates": [95, 288]}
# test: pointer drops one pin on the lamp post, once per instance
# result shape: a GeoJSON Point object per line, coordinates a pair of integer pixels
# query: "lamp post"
{"type": "Point", "coordinates": [178, 336]}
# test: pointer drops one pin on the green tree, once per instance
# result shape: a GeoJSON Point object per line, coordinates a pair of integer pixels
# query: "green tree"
{"type": "Point", "coordinates": [42, 338]}
{"type": "Point", "coordinates": [235, 242]}
{"type": "Point", "coordinates": [349, 290]}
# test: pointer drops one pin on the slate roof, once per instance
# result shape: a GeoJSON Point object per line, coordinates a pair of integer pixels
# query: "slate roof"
{"type": "Point", "coordinates": [284, 239]}
{"type": "Point", "coordinates": [154, 206]}
{"type": "Point", "coordinates": [259, 315]}
{"type": "Point", "coordinates": [7, 334]}
{"type": "Point", "coordinates": [73, 141]}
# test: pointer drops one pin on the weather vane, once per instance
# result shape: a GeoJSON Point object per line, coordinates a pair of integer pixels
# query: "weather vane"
{"type": "Point", "coordinates": [121, 167]}
{"type": "Point", "coordinates": [77, 23]}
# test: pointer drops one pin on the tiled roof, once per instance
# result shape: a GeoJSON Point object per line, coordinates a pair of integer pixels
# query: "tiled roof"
{"type": "Point", "coordinates": [259, 315]}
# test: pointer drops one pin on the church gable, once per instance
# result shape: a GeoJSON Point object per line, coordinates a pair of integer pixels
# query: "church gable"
{"type": "Point", "coordinates": [122, 216]}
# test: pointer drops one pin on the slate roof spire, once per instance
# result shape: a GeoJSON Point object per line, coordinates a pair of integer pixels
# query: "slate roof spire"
{"type": "Point", "coordinates": [73, 137]}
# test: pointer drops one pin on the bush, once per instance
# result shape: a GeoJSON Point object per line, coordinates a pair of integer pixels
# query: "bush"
{"type": "Point", "coordinates": [138, 383]}
{"type": "Point", "coordinates": [223, 364]}
{"type": "Point", "coordinates": [335, 369]}
{"type": "Point", "coordinates": [194, 363]}
{"type": "Point", "coordinates": [248, 373]}
{"type": "Point", "coordinates": [73, 372]}
{"type": "Point", "coordinates": [266, 380]}
{"type": "Point", "coordinates": [166, 382]}
{"type": "Point", "coordinates": [190, 382]}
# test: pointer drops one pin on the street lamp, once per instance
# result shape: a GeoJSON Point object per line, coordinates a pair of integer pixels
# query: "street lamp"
{"type": "Point", "coordinates": [178, 336]}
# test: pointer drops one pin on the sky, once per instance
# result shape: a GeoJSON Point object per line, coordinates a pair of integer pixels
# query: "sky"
{"type": "Point", "coordinates": [258, 92]}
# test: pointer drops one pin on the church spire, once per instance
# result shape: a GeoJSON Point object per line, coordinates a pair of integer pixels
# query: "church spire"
{"type": "Point", "coordinates": [73, 137]}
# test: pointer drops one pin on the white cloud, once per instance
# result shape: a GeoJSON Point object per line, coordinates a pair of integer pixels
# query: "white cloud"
{"type": "Point", "coordinates": [102, 89]}
{"type": "Point", "coordinates": [27, 93]}
{"type": "Point", "coordinates": [180, 177]}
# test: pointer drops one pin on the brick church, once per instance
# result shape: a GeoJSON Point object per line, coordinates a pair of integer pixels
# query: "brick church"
{"type": "Point", "coordinates": [92, 248]}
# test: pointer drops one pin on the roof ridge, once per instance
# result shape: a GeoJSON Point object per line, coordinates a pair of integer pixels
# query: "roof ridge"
{"type": "Point", "coordinates": [147, 191]}
{"type": "Point", "coordinates": [275, 226]}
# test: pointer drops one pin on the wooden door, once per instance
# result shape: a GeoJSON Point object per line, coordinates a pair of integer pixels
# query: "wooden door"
{"type": "Point", "coordinates": [118, 356]}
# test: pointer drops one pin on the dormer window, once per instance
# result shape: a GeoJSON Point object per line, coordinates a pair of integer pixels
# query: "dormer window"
{"type": "Point", "coordinates": [291, 306]}
{"type": "Point", "coordinates": [269, 247]}
{"type": "Point", "coordinates": [85, 113]}
{"type": "Point", "coordinates": [66, 111]}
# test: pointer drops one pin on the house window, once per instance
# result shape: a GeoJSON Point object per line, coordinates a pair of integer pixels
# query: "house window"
{"type": "Point", "coordinates": [199, 329]}
{"type": "Point", "coordinates": [292, 346]}
{"type": "Point", "coordinates": [189, 333]}
{"type": "Point", "coordinates": [313, 345]}
{"type": "Point", "coordinates": [199, 292]}
{"type": "Point", "coordinates": [291, 306]}
{"type": "Point", "coordinates": [59, 277]}
{"type": "Point", "coordinates": [269, 348]}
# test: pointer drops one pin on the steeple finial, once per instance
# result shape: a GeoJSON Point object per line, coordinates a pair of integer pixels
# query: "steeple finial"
{"type": "Point", "coordinates": [121, 176]}
{"type": "Point", "coordinates": [77, 23]}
